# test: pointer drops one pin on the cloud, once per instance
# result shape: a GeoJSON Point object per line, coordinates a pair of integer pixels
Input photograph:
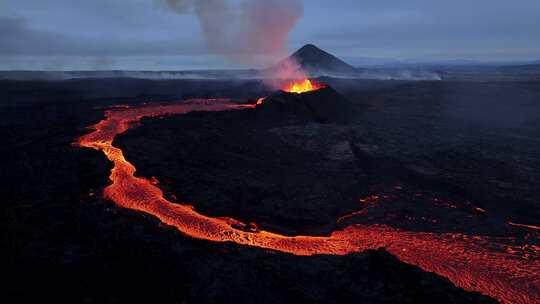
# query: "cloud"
{"type": "Point", "coordinates": [17, 38]}
{"type": "Point", "coordinates": [460, 28]}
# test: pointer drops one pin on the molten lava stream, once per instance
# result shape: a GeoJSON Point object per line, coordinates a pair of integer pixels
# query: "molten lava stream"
{"type": "Point", "coordinates": [472, 262]}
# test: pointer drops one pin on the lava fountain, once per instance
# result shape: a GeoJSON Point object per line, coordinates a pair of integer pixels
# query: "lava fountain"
{"type": "Point", "coordinates": [303, 86]}
{"type": "Point", "coordinates": [508, 273]}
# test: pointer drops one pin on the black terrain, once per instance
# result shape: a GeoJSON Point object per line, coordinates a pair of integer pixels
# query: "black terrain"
{"type": "Point", "coordinates": [465, 154]}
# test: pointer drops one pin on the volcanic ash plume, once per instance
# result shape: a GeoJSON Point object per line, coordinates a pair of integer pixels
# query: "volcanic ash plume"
{"type": "Point", "coordinates": [242, 29]}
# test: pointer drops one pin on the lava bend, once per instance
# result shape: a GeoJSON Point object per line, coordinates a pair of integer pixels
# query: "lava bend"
{"type": "Point", "coordinates": [475, 263]}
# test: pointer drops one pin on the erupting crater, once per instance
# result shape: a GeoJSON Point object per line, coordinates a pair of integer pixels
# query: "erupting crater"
{"type": "Point", "coordinates": [298, 87]}
{"type": "Point", "coordinates": [308, 101]}
{"type": "Point", "coordinates": [475, 263]}
{"type": "Point", "coordinates": [303, 86]}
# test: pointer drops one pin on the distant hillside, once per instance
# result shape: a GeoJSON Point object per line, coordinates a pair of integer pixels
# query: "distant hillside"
{"type": "Point", "coordinates": [530, 67]}
{"type": "Point", "coordinates": [315, 62]}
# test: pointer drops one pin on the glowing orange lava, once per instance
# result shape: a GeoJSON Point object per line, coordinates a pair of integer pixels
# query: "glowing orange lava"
{"type": "Point", "coordinates": [303, 86]}
{"type": "Point", "coordinates": [476, 263]}
{"type": "Point", "coordinates": [260, 101]}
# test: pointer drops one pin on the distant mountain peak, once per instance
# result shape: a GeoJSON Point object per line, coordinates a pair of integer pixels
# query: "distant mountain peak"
{"type": "Point", "coordinates": [309, 47]}
{"type": "Point", "coordinates": [315, 62]}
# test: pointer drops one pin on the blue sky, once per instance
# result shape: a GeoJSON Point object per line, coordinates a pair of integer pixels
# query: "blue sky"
{"type": "Point", "coordinates": [107, 32]}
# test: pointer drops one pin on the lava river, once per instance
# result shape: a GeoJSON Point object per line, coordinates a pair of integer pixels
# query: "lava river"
{"type": "Point", "coordinates": [475, 263]}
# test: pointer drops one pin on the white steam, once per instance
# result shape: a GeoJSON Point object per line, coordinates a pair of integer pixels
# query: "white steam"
{"type": "Point", "coordinates": [243, 29]}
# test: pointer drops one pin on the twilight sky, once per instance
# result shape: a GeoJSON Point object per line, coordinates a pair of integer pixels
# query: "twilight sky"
{"type": "Point", "coordinates": [148, 34]}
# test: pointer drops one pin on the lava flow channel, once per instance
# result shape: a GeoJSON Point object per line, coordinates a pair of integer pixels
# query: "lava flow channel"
{"type": "Point", "coordinates": [475, 263]}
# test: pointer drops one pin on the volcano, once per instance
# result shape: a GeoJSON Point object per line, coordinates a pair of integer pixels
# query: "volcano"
{"type": "Point", "coordinates": [313, 61]}
{"type": "Point", "coordinates": [321, 105]}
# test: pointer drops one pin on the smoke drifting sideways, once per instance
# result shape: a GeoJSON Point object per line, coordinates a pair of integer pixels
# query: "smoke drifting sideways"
{"type": "Point", "coordinates": [242, 30]}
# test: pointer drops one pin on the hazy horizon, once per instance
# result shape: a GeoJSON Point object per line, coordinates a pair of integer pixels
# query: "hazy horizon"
{"type": "Point", "coordinates": [192, 63]}
{"type": "Point", "coordinates": [149, 35]}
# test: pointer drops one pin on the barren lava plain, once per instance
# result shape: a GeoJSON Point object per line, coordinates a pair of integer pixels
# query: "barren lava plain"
{"type": "Point", "coordinates": [453, 159]}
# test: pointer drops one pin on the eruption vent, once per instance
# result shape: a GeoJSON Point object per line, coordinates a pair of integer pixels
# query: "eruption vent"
{"type": "Point", "coordinates": [303, 86]}
{"type": "Point", "coordinates": [297, 87]}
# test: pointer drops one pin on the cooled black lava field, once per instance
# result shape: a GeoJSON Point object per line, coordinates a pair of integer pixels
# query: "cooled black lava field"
{"type": "Point", "coordinates": [452, 158]}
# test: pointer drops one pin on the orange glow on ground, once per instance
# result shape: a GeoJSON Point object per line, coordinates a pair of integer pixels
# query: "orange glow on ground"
{"type": "Point", "coordinates": [532, 227]}
{"type": "Point", "coordinates": [510, 274]}
{"type": "Point", "coordinates": [303, 86]}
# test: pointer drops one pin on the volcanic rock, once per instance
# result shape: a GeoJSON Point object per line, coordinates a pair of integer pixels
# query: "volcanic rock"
{"type": "Point", "coordinates": [315, 62]}
{"type": "Point", "coordinates": [321, 106]}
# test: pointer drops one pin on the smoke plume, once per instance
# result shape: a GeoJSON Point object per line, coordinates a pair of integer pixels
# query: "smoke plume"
{"type": "Point", "coordinates": [243, 29]}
